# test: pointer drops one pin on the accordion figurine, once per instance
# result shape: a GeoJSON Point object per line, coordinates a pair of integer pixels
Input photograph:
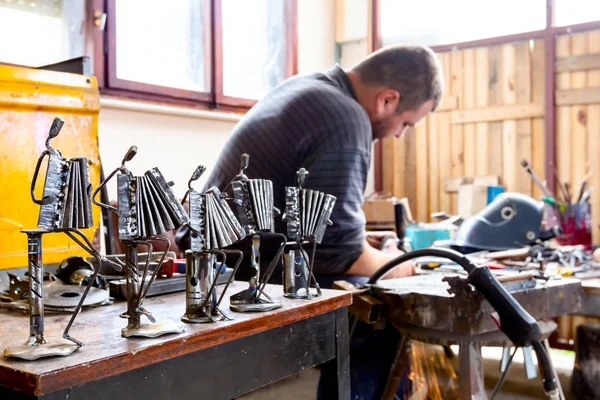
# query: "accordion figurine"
{"type": "Point", "coordinates": [307, 214]}
{"type": "Point", "coordinates": [212, 227]}
{"type": "Point", "coordinates": [254, 208]}
{"type": "Point", "coordinates": [65, 207]}
{"type": "Point", "coordinates": [147, 207]}
{"type": "Point", "coordinates": [65, 200]}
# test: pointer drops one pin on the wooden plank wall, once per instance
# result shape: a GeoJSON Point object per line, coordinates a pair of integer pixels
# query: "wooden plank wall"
{"type": "Point", "coordinates": [578, 115]}
{"type": "Point", "coordinates": [490, 119]}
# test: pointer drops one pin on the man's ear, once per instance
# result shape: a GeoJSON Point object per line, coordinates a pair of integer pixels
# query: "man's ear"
{"type": "Point", "coordinates": [387, 101]}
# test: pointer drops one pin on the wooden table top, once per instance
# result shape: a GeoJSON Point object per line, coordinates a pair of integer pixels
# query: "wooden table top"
{"type": "Point", "coordinates": [424, 301]}
{"type": "Point", "coordinates": [106, 353]}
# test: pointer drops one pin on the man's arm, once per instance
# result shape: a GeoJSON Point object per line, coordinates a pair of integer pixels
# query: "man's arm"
{"type": "Point", "coordinates": [342, 173]}
{"type": "Point", "coordinates": [371, 259]}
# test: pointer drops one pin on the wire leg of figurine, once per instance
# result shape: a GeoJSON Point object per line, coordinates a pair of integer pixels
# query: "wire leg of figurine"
{"type": "Point", "coordinates": [311, 276]}
{"type": "Point", "coordinates": [158, 267]}
{"type": "Point", "coordinates": [271, 267]}
{"type": "Point", "coordinates": [149, 253]}
{"type": "Point", "coordinates": [88, 247]}
{"type": "Point", "coordinates": [240, 256]}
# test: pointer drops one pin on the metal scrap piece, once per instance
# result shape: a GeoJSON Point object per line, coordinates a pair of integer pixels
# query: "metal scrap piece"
{"type": "Point", "coordinates": [50, 216]}
{"type": "Point", "coordinates": [325, 214]}
{"type": "Point", "coordinates": [292, 212]}
{"type": "Point", "coordinates": [243, 206]}
{"type": "Point", "coordinates": [198, 242]}
{"type": "Point", "coordinates": [128, 213]}
{"type": "Point", "coordinates": [68, 296]}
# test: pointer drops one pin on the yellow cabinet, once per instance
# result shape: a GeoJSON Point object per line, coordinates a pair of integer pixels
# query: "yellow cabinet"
{"type": "Point", "coordinates": [29, 101]}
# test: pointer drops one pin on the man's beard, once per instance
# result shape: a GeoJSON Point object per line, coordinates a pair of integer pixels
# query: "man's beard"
{"type": "Point", "coordinates": [380, 128]}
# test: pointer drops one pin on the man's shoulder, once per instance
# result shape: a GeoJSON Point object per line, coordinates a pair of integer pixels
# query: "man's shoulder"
{"type": "Point", "coordinates": [320, 93]}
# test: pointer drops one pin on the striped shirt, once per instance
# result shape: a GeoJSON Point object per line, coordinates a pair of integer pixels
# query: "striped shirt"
{"type": "Point", "coordinates": [312, 121]}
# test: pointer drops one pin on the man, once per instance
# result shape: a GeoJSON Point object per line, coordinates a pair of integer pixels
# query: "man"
{"type": "Point", "coordinates": [326, 123]}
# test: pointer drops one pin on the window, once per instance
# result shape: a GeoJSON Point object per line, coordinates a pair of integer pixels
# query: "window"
{"type": "Point", "coordinates": [258, 53]}
{"type": "Point", "coordinates": [48, 31]}
{"type": "Point", "coordinates": [160, 47]}
{"type": "Point", "coordinates": [435, 22]}
{"type": "Point", "coordinates": [166, 48]}
{"type": "Point", "coordinates": [570, 12]}
{"type": "Point", "coordinates": [203, 53]}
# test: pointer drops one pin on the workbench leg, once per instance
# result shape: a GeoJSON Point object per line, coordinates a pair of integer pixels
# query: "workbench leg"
{"type": "Point", "coordinates": [335, 374]}
{"type": "Point", "coordinates": [398, 368]}
{"type": "Point", "coordinates": [472, 385]}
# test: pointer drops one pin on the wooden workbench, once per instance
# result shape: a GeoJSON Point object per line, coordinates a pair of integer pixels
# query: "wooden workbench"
{"type": "Point", "coordinates": [207, 361]}
{"type": "Point", "coordinates": [422, 309]}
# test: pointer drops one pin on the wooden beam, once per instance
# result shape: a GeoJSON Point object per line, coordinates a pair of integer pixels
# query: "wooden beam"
{"type": "Point", "coordinates": [448, 103]}
{"type": "Point", "coordinates": [340, 19]}
{"type": "Point", "coordinates": [581, 62]}
{"type": "Point", "coordinates": [498, 113]}
{"type": "Point", "coordinates": [580, 96]}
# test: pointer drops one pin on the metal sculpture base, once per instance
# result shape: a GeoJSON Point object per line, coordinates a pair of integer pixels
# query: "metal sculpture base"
{"type": "Point", "coordinates": [203, 318]}
{"type": "Point", "coordinates": [303, 294]}
{"type": "Point", "coordinates": [37, 347]}
{"type": "Point", "coordinates": [202, 305]}
{"type": "Point", "coordinates": [297, 272]}
{"type": "Point", "coordinates": [33, 351]}
{"type": "Point", "coordinates": [259, 306]}
{"type": "Point", "coordinates": [152, 330]}
{"type": "Point", "coordinates": [136, 295]}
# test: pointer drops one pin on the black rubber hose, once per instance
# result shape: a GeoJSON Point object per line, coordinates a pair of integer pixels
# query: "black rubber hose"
{"type": "Point", "coordinates": [452, 255]}
{"type": "Point", "coordinates": [549, 380]}
{"type": "Point", "coordinates": [520, 327]}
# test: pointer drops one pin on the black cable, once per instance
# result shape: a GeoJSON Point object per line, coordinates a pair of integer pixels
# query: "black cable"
{"type": "Point", "coordinates": [515, 321]}
{"type": "Point", "coordinates": [503, 376]}
{"type": "Point", "coordinates": [452, 255]}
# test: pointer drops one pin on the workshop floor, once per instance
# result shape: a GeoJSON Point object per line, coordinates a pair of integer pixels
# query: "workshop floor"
{"type": "Point", "coordinates": [303, 386]}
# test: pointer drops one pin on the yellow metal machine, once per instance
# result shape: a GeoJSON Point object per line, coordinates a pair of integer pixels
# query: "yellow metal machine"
{"type": "Point", "coordinates": [29, 101]}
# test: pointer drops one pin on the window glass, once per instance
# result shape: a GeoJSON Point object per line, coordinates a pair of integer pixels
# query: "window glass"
{"type": "Point", "coordinates": [41, 32]}
{"type": "Point", "coordinates": [254, 47]}
{"type": "Point", "coordinates": [570, 12]}
{"type": "Point", "coordinates": [438, 22]}
{"type": "Point", "coordinates": [162, 43]}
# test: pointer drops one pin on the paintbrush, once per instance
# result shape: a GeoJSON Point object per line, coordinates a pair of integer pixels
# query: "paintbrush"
{"type": "Point", "coordinates": [535, 178]}
{"type": "Point", "coordinates": [568, 193]}
{"type": "Point", "coordinates": [559, 183]}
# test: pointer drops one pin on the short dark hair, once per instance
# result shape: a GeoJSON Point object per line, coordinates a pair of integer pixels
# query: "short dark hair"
{"type": "Point", "coordinates": [414, 71]}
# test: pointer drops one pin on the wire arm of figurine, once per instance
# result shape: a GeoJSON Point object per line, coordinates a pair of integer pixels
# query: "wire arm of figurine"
{"type": "Point", "coordinates": [272, 266]}
{"type": "Point", "coordinates": [244, 162]}
{"type": "Point", "coordinates": [144, 293]}
{"type": "Point", "coordinates": [195, 176]}
{"type": "Point", "coordinates": [34, 180]}
{"type": "Point", "coordinates": [128, 156]}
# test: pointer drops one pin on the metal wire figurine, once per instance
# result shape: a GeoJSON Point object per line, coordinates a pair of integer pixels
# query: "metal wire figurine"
{"type": "Point", "coordinates": [146, 208]}
{"type": "Point", "coordinates": [213, 226]}
{"type": "Point", "coordinates": [253, 204]}
{"type": "Point", "coordinates": [64, 207]}
{"type": "Point", "coordinates": [307, 215]}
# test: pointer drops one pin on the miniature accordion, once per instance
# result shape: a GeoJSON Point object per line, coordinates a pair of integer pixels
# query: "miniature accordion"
{"type": "Point", "coordinates": [147, 206]}
{"type": "Point", "coordinates": [66, 196]}
{"type": "Point", "coordinates": [307, 213]}
{"type": "Point", "coordinates": [215, 222]}
{"type": "Point", "coordinates": [254, 206]}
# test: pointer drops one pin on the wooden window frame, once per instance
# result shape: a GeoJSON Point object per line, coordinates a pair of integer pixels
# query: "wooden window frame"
{"type": "Point", "coordinates": [291, 43]}
{"type": "Point", "coordinates": [101, 45]}
{"type": "Point", "coordinates": [548, 34]}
